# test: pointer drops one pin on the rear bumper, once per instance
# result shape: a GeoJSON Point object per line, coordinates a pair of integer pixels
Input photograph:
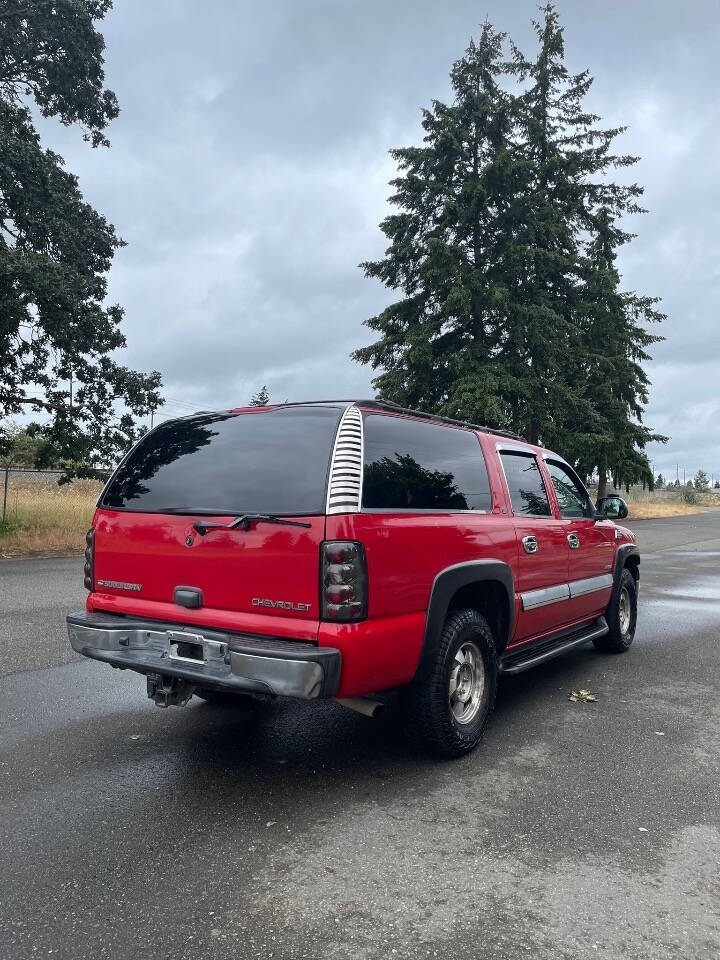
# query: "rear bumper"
{"type": "Point", "coordinates": [230, 662]}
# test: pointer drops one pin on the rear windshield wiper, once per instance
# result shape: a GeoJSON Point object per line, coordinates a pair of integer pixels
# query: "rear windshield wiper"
{"type": "Point", "coordinates": [244, 521]}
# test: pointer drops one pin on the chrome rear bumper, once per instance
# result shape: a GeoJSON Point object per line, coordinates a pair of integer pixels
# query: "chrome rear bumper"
{"type": "Point", "coordinates": [207, 658]}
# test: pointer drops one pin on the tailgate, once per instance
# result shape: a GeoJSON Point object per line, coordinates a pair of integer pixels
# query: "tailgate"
{"type": "Point", "coordinates": [264, 579]}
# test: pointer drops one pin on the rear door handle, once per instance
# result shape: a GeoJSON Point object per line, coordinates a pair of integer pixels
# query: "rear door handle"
{"type": "Point", "coordinates": [574, 541]}
{"type": "Point", "coordinates": [530, 544]}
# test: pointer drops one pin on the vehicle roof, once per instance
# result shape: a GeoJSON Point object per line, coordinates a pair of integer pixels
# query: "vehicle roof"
{"type": "Point", "coordinates": [390, 407]}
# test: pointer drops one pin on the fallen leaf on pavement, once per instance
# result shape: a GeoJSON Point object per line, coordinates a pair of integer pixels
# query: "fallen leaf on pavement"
{"type": "Point", "coordinates": [271, 823]}
{"type": "Point", "coordinates": [582, 696]}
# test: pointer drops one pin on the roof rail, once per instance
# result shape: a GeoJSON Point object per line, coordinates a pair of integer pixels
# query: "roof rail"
{"type": "Point", "coordinates": [389, 405]}
{"type": "Point", "coordinates": [396, 408]}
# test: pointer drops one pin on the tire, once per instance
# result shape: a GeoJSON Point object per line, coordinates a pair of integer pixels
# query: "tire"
{"type": "Point", "coordinates": [465, 646]}
{"type": "Point", "coordinates": [621, 617]}
{"type": "Point", "coordinates": [220, 698]}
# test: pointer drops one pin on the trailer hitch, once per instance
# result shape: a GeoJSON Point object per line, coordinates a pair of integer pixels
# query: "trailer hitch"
{"type": "Point", "coordinates": [168, 691]}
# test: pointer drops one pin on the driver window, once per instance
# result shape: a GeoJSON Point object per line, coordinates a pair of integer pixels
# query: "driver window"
{"type": "Point", "coordinates": [573, 501]}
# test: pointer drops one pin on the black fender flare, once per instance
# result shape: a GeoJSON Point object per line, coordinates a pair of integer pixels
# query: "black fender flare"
{"type": "Point", "coordinates": [622, 556]}
{"type": "Point", "coordinates": [446, 584]}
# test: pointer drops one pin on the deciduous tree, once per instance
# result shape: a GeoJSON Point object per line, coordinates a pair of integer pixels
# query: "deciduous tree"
{"type": "Point", "coordinates": [57, 334]}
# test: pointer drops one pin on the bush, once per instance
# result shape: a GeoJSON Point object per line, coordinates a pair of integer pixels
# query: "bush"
{"type": "Point", "coordinates": [689, 495]}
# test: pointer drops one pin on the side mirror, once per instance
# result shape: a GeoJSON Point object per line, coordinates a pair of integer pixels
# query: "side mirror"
{"type": "Point", "coordinates": [612, 507]}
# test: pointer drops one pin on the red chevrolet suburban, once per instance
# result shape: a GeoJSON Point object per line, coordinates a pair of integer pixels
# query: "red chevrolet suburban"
{"type": "Point", "coordinates": [344, 548]}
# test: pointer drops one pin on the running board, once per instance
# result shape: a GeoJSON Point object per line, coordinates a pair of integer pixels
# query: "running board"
{"type": "Point", "coordinates": [516, 661]}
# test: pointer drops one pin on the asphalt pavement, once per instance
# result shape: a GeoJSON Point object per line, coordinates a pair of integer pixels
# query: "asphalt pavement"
{"type": "Point", "coordinates": [293, 830]}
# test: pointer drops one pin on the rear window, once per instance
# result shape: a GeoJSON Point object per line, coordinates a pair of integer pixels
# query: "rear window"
{"type": "Point", "coordinates": [218, 463]}
{"type": "Point", "coordinates": [411, 465]}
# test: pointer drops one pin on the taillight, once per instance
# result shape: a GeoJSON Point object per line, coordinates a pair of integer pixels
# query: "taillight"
{"type": "Point", "coordinates": [343, 581]}
{"type": "Point", "coordinates": [90, 560]}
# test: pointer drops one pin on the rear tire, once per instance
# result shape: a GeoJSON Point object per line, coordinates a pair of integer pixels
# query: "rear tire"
{"type": "Point", "coordinates": [621, 617]}
{"type": "Point", "coordinates": [448, 710]}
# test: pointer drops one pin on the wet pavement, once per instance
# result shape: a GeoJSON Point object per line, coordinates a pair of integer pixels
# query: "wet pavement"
{"type": "Point", "coordinates": [302, 830]}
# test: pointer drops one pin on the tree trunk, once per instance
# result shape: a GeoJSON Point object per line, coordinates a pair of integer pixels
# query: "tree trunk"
{"type": "Point", "coordinates": [602, 480]}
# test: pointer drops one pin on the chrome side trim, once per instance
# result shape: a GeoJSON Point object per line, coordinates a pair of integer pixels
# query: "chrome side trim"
{"type": "Point", "coordinates": [564, 591]}
{"type": "Point", "coordinates": [541, 598]}
{"type": "Point", "coordinates": [346, 469]}
{"type": "Point", "coordinates": [578, 588]}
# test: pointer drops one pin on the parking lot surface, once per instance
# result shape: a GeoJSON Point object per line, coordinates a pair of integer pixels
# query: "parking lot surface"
{"type": "Point", "coordinates": [294, 829]}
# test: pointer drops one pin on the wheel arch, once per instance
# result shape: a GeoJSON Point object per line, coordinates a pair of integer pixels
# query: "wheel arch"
{"type": "Point", "coordinates": [627, 556]}
{"type": "Point", "coordinates": [485, 585]}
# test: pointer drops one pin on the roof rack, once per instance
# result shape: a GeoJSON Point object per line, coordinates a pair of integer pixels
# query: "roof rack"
{"type": "Point", "coordinates": [396, 408]}
{"type": "Point", "coordinates": [389, 405]}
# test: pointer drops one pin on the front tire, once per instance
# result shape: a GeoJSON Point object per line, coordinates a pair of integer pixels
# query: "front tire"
{"type": "Point", "coordinates": [448, 710]}
{"type": "Point", "coordinates": [621, 617]}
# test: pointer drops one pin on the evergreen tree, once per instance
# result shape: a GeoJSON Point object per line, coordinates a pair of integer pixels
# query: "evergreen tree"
{"type": "Point", "coordinates": [261, 398]}
{"type": "Point", "coordinates": [609, 351]}
{"type": "Point", "coordinates": [504, 247]}
{"type": "Point", "coordinates": [660, 481]}
{"type": "Point", "coordinates": [702, 481]}
{"type": "Point", "coordinates": [439, 345]}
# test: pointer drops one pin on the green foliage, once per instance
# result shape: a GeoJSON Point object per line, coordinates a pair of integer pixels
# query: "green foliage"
{"type": "Point", "coordinates": [702, 481]}
{"type": "Point", "coordinates": [503, 245]}
{"type": "Point", "coordinates": [56, 333]}
{"type": "Point", "coordinates": [261, 398]}
{"type": "Point", "coordinates": [659, 481]}
{"type": "Point", "coordinates": [689, 495]}
{"type": "Point", "coordinates": [26, 447]}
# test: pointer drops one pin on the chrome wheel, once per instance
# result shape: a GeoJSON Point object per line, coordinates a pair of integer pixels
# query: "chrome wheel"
{"type": "Point", "coordinates": [467, 682]}
{"type": "Point", "coordinates": [625, 610]}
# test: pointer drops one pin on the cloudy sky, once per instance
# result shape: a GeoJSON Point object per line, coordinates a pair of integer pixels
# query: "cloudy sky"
{"type": "Point", "coordinates": [248, 173]}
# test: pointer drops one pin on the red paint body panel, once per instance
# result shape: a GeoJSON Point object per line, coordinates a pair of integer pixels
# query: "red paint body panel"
{"type": "Point", "coordinates": [405, 552]}
{"type": "Point", "coordinates": [231, 568]}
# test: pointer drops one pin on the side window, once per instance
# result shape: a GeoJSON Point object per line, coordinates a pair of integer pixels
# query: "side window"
{"type": "Point", "coordinates": [527, 490]}
{"type": "Point", "coordinates": [411, 465]}
{"type": "Point", "coordinates": [572, 498]}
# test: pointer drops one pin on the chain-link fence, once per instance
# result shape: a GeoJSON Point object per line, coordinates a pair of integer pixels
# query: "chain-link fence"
{"type": "Point", "coordinates": [38, 513]}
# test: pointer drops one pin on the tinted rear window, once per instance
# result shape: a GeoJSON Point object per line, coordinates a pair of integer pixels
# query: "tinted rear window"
{"type": "Point", "coordinates": [270, 462]}
{"type": "Point", "coordinates": [411, 465]}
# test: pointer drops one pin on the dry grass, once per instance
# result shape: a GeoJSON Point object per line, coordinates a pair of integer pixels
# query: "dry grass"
{"type": "Point", "coordinates": [647, 509]}
{"type": "Point", "coordinates": [644, 505]}
{"type": "Point", "coordinates": [48, 519]}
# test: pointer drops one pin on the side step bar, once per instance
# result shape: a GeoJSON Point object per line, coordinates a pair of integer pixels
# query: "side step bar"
{"type": "Point", "coordinates": [517, 661]}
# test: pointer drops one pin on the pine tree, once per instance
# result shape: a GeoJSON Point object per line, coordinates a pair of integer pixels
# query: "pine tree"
{"type": "Point", "coordinates": [504, 247]}
{"type": "Point", "coordinates": [439, 343]}
{"type": "Point", "coordinates": [702, 481]}
{"type": "Point", "coordinates": [610, 349]}
{"type": "Point", "coordinates": [261, 398]}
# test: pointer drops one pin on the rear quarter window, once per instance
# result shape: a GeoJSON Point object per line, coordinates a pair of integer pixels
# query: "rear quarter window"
{"type": "Point", "coordinates": [411, 465]}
